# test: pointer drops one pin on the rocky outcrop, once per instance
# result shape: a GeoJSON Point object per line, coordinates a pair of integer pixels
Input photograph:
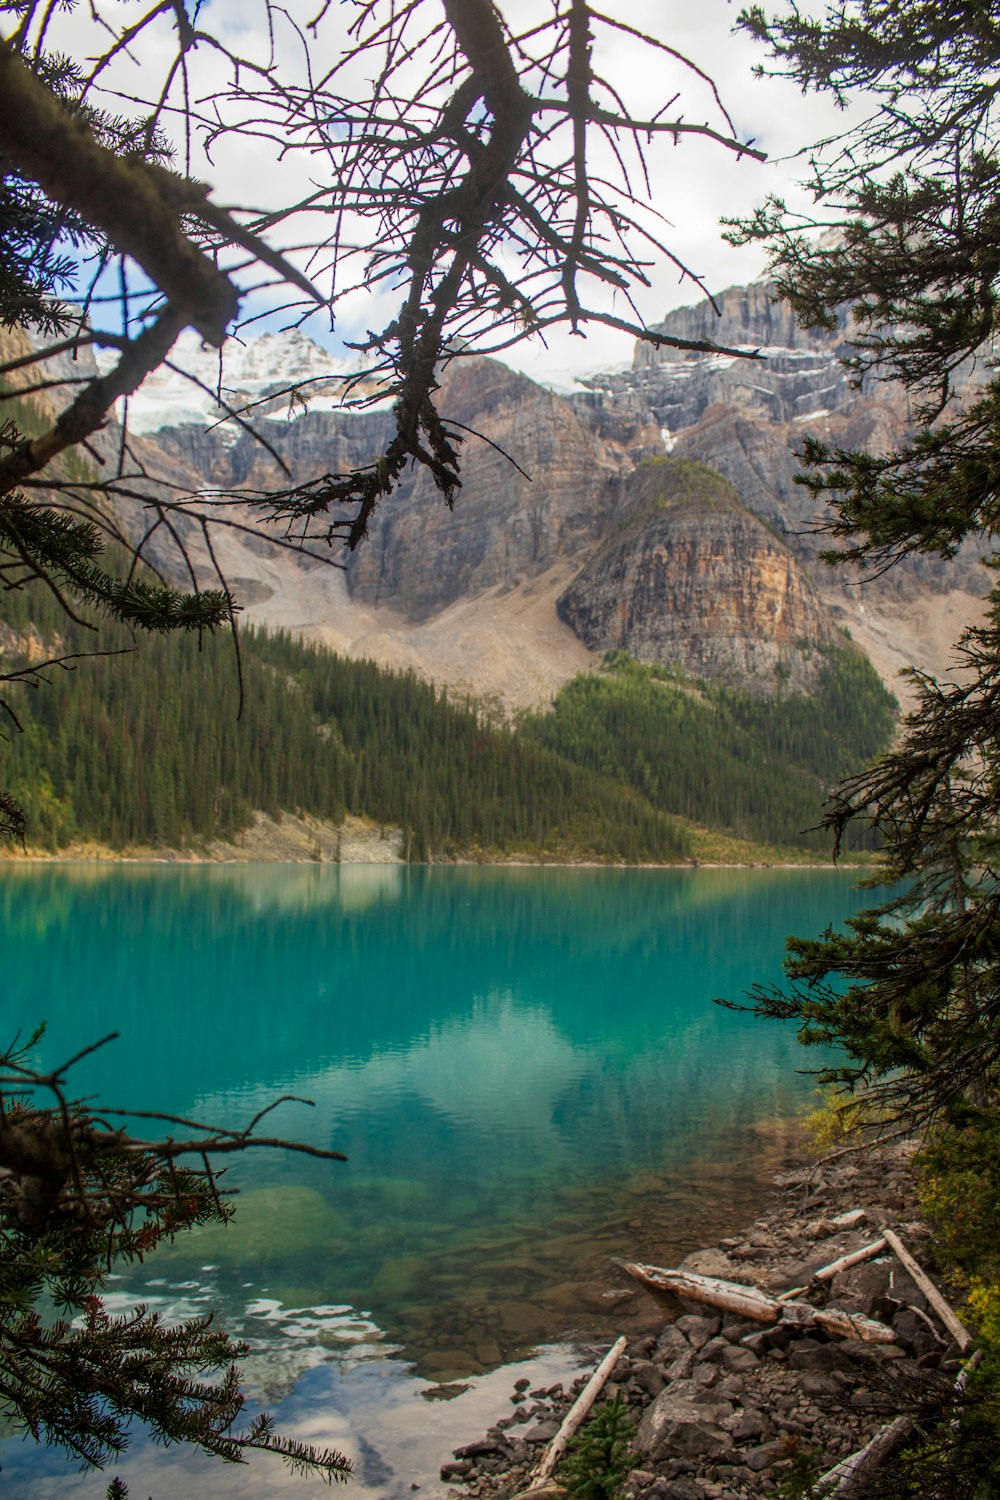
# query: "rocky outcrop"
{"type": "Point", "coordinates": [797, 373]}
{"type": "Point", "coordinates": [555, 497]}
{"type": "Point", "coordinates": [742, 317]}
{"type": "Point", "coordinates": [693, 581]}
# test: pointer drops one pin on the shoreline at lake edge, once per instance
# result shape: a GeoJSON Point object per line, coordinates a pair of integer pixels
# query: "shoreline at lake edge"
{"type": "Point", "coordinates": [304, 839]}
{"type": "Point", "coordinates": [722, 1404]}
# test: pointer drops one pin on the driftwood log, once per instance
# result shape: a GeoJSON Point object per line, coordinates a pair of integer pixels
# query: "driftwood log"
{"type": "Point", "coordinates": [575, 1418]}
{"type": "Point", "coordinates": [751, 1302]}
{"type": "Point", "coordinates": [851, 1475]}
{"type": "Point", "coordinates": [852, 1258]}
{"type": "Point", "coordinates": [954, 1325]}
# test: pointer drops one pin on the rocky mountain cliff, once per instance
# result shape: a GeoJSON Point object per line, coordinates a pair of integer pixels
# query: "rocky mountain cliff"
{"type": "Point", "coordinates": [693, 579]}
{"type": "Point", "coordinates": [723, 586]}
{"type": "Point", "coordinates": [510, 524]}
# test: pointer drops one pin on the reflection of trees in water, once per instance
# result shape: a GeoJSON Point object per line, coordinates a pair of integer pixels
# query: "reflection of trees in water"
{"type": "Point", "coordinates": [310, 967]}
{"type": "Point", "coordinates": [524, 1066]}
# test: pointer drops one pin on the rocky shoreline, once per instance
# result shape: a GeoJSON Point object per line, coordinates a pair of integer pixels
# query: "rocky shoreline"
{"type": "Point", "coordinates": [727, 1407]}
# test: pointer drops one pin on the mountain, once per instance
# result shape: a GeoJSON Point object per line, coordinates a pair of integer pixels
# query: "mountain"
{"type": "Point", "coordinates": [199, 388]}
{"type": "Point", "coordinates": [557, 548]}
{"type": "Point", "coordinates": [588, 528]}
{"type": "Point", "coordinates": [694, 580]}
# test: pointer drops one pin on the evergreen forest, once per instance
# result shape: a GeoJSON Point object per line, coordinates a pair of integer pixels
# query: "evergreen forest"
{"type": "Point", "coordinates": [155, 747]}
{"type": "Point", "coordinates": [760, 768]}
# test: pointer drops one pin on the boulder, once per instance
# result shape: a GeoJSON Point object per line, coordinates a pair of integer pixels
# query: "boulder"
{"type": "Point", "coordinates": [681, 1367]}
{"type": "Point", "coordinates": [648, 1377]}
{"type": "Point", "coordinates": [763, 1457]}
{"type": "Point", "coordinates": [679, 1425]}
{"type": "Point", "coordinates": [750, 1424]}
{"type": "Point", "coordinates": [737, 1361]}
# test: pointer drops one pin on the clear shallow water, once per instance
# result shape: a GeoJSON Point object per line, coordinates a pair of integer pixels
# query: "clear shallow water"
{"type": "Point", "coordinates": [523, 1066]}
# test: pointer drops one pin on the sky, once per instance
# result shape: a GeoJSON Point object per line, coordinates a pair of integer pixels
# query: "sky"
{"type": "Point", "coordinates": [693, 184]}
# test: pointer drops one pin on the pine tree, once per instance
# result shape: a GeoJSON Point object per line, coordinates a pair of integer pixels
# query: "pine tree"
{"type": "Point", "coordinates": [910, 993]}
{"type": "Point", "coordinates": [913, 192]}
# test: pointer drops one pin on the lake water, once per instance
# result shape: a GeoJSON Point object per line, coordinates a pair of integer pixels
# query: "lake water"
{"type": "Point", "coordinates": [523, 1066]}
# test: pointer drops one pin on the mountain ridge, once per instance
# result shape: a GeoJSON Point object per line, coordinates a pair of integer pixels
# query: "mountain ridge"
{"type": "Point", "coordinates": [470, 597]}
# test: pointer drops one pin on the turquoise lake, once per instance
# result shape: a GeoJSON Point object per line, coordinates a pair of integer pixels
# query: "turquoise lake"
{"type": "Point", "coordinates": [523, 1066]}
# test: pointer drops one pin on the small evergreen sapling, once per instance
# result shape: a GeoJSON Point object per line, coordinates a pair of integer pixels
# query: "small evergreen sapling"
{"type": "Point", "coordinates": [600, 1457]}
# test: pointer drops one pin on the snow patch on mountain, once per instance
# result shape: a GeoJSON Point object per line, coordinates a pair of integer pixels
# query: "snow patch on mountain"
{"type": "Point", "coordinates": [277, 376]}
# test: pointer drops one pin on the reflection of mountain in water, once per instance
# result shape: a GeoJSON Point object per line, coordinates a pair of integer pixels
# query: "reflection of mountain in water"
{"type": "Point", "coordinates": [523, 1066]}
{"type": "Point", "coordinates": [203, 969]}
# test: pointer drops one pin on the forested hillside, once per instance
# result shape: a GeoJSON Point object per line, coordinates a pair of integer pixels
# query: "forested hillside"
{"type": "Point", "coordinates": [760, 768]}
{"type": "Point", "coordinates": [150, 748]}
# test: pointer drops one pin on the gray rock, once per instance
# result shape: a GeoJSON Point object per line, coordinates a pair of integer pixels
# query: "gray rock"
{"type": "Point", "coordinates": [737, 1360]}
{"type": "Point", "coordinates": [852, 1219]}
{"type": "Point", "coordinates": [456, 1470]}
{"type": "Point", "coordinates": [648, 1377]}
{"type": "Point", "coordinates": [819, 1385]}
{"type": "Point", "coordinates": [819, 1229]}
{"type": "Point", "coordinates": [763, 1457]}
{"type": "Point", "coordinates": [543, 1433]}
{"type": "Point", "coordinates": [711, 1262]}
{"type": "Point", "coordinates": [736, 1333]}
{"type": "Point", "coordinates": [912, 1330]}
{"type": "Point", "coordinates": [697, 1330]}
{"type": "Point", "coordinates": [863, 1288]}
{"type": "Point", "coordinates": [672, 1341]}
{"type": "Point", "coordinates": [483, 1447]}
{"type": "Point", "coordinates": [680, 1368]}
{"type": "Point", "coordinates": [750, 1424]}
{"type": "Point", "coordinates": [904, 1289]}
{"type": "Point", "coordinates": [683, 1489]}
{"type": "Point", "coordinates": [807, 1354]}
{"type": "Point", "coordinates": [675, 1425]}
{"type": "Point", "coordinates": [713, 1349]}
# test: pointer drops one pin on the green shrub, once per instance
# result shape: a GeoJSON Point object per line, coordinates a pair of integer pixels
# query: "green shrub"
{"type": "Point", "coordinates": [958, 1177]}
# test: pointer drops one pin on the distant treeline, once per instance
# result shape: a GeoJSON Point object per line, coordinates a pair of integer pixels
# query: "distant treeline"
{"type": "Point", "coordinates": [148, 748]}
{"type": "Point", "coordinates": [760, 768]}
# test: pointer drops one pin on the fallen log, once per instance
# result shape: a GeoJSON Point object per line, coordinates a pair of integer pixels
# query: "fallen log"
{"type": "Point", "coordinates": [853, 1258]}
{"type": "Point", "coordinates": [968, 1369]}
{"type": "Point", "coordinates": [547, 1490]}
{"type": "Point", "coordinates": [849, 1477]}
{"type": "Point", "coordinates": [751, 1302]}
{"type": "Point", "coordinates": [574, 1418]}
{"type": "Point", "coordinates": [954, 1325]}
